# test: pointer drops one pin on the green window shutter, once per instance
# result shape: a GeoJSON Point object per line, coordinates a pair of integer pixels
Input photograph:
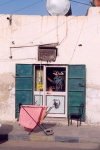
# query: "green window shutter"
{"type": "Point", "coordinates": [24, 85]}
{"type": "Point", "coordinates": [76, 87]}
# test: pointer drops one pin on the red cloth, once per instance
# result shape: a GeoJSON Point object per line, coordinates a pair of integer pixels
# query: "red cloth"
{"type": "Point", "coordinates": [28, 111]}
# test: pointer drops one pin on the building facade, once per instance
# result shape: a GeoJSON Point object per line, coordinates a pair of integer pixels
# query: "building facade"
{"type": "Point", "coordinates": [44, 59]}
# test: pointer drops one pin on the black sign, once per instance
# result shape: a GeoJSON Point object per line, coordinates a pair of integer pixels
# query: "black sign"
{"type": "Point", "coordinates": [47, 54]}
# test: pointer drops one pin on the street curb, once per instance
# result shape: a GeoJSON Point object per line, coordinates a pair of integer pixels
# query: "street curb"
{"type": "Point", "coordinates": [37, 138]}
{"type": "Point", "coordinates": [89, 140]}
{"type": "Point", "coordinates": [8, 137]}
{"type": "Point", "coordinates": [66, 139]}
{"type": "Point", "coordinates": [42, 138]}
{"type": "Point", "coordinates": [18, 137]}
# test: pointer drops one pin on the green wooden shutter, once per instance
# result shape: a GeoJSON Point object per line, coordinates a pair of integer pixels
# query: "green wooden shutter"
{"type": "Point", "coordinates": [76, 87]}
{"type": "Point", "coordinates": [24, 85]}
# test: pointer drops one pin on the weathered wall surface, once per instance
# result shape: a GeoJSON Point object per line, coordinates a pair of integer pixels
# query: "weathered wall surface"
{"type": "Point", "coordinates": [78, 41]}
{"type": "Point", "coordinates": [6, 95]}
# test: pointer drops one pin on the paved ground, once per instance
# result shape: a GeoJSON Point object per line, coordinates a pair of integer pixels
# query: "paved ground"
{"type": "Point", "coordinates": [30, 145]}
{"type": "Point", "coordinates": [62, 133]}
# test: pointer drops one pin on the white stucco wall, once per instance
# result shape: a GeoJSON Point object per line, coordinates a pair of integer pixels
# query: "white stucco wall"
{"type": "Point", "coordinates": [70, 32]}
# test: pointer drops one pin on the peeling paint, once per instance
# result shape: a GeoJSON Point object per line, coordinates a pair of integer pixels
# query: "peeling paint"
{"type": "Point", "coordinates": [6, 84]}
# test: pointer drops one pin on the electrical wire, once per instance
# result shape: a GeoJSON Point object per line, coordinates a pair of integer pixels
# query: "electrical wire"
{"type": "Point", "coordinates": [74, 51]}
{"type": "Point", "coordinates": [62, 40]}
{"type": "Point", "coordinates": [28, 6]}
{"type": "Point", "coordinates": [45, 34]}
{"type": "Point", "coordinates": [31, 5]}
{"type": "Point", "coordinates": [20, 59]}
{"type": "Point", "coordinates": [5, 3]}
{"type": "Point", "coordinates": [80, 3]}
{"type": "Point", "coordinates": [48, 32]}
{"type": "Point", "coordinates": [53, 29]}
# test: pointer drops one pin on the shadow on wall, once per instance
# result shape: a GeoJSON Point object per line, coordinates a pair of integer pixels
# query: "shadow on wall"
{"type": "Point", "coordinates": [5, 129]}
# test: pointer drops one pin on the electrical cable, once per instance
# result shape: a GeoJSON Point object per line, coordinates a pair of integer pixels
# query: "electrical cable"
{"type": "Point", "coordinates": [28, 6]}
{"type": "Point", "coordinates": [5, 3]}
{"type": "Point", "coordinates": [80, 3]}
{"type": "Point", "coordinates": [48, 32]}
{"type": "Point", "coordinates": [77, 42]}
{"type": "Point", "coordinates": [45, 34]}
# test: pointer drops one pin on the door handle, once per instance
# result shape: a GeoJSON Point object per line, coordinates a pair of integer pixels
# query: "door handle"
{"type": "Point", "coordinates": [81, 85]}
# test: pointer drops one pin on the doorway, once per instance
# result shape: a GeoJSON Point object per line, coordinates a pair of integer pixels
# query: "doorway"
{"type": "Point", "coordinates": [51, 86]}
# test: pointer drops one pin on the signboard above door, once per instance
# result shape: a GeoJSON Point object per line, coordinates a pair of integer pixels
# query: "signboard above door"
{"type": "Point", "coordinates": [47, 53]}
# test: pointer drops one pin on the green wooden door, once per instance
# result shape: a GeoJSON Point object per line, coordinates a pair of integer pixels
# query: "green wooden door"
{"type": "Point", "coordinates": [24, 85]}
{"type": "Point", "coordinates": [76, 88]}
